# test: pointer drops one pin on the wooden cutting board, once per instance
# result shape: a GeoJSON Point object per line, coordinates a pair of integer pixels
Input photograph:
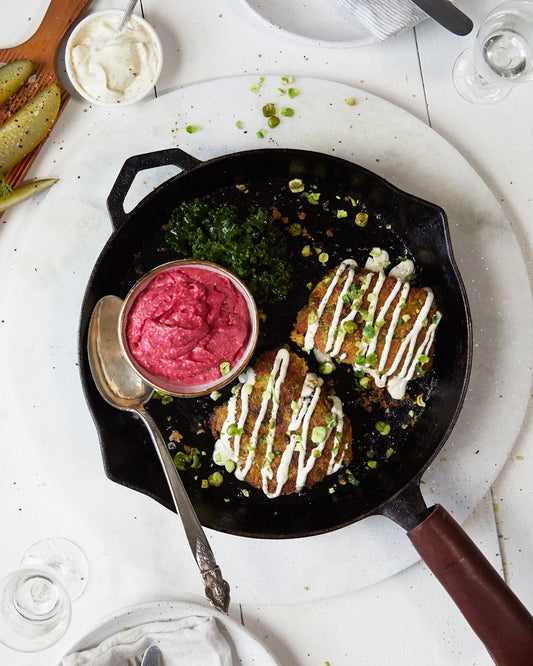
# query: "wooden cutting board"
{"type": "Point", "coordinates": [42, 49]}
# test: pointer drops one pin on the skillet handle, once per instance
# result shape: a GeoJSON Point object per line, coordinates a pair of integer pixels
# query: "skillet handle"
{"type": "Point", "coordinates": [134, 165]}
{"type": "Point", "coordinates": [493, 611]}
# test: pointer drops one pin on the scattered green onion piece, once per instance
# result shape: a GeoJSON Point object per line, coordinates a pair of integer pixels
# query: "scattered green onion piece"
{"type": "Point", "coordinates": [273, 121]}
{"type": "Point", "coordinates": [225, 368]}
{"type": "Point", "coordinates": [296, 185]}
{"type": "Point", "coordinates": [372, 464]}
{"type": "Point", "coordinates": [269, 110]}
{"type": "Point", "coordinates": [420, 400]}
{"type": "Point", "coordinates": [295, 229]}
{"type": "Point", "coordinates": [382, 427]}
{"type": "Point", "coordinates": [349, 326]}
{"type": "Point", "coordinates": [287, 112]}
{"type": "Point", "coordinates": [319, 434]}
{"type": "Point", "coordinates": [239, 124]}
{"type": "Point", "coordinates": [230, 466]}
{"type": "Point", "coordinates": [323, 257]}
{"type": "Point", "coordinates": [361, 219]}
{"type": "Point", "coordinates": [326, 368]}
{"type": "Point", "coordinates": [341, 213]}
{"type": "Point", "coordinates": [292, 92]}
{"type": "Point", "coordinates": [216, 479]}
{"type": "Point", "coordinates": [423, 358]}
{"type": "Point", "coordinates": [313, 198]}
{"type": "Point", "coordinates": [191, 129]}
{"type": "Point", "coordinates": [369, 332]}
{"type": "Point", "coordinates": [261, 133]}
{"type": "Point", "coordinates": [285, 80]}
{"type": "Point", "coordinates": [364, 382]}
{"type": "Point", "coordinates": [351, 101]}
{"type": "Point", "coordinates": [215, 395]}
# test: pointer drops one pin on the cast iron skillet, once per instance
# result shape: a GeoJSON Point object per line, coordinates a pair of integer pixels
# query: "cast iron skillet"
{"type": "Point", "coordinates": [403, 225]}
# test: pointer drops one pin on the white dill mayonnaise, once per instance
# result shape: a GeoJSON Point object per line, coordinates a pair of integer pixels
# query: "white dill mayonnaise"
{"type": "Point", "coordinates": [110, 67]}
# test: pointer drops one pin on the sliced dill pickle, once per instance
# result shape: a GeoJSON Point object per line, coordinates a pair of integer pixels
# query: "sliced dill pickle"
{"type": "Point", "coordinates": [13, 76]}
{"type": "Point", "coordinates": [25, 192]}
{"type": "Point", "coordinates": [26, 128]}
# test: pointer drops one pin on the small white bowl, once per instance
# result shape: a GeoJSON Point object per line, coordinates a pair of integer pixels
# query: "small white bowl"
{"type": "Point", "coordinates": [90, 67]}
{"type": "Point", "coordinates": [175, 386]}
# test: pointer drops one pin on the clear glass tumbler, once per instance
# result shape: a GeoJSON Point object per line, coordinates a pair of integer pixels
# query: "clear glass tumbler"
{"type": "Point", "coordinates": [35, 600]}
{"type": "Point", "coordinates": [501, 56]}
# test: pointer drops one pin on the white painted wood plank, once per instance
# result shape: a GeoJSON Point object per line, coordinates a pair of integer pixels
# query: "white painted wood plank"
{"type": "Point", "coordinates": [408, 619]}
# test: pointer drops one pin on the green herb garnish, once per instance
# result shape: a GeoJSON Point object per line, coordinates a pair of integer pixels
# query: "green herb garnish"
{"type": "Point", "coordinates": [247, 243]}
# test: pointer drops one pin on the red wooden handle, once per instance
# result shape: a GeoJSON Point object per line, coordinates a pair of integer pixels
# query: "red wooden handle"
{"type": "Point", "coordinates": [493, 611]}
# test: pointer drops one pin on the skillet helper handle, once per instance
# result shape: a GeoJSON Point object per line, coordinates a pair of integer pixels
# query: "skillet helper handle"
{"type": "Point", "coordinates": [493, 611]}
{"type": "Point", "coordinates": [134, 165]}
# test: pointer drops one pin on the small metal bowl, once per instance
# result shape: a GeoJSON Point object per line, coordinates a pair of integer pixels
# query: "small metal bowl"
{"type": "Point", "coordinates": [176, 387]}
{"type": "Point", "coordinates": [87, 29]}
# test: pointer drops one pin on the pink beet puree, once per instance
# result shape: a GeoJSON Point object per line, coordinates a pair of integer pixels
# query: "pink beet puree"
{"type": "Point", "coordinates": [185, 323]}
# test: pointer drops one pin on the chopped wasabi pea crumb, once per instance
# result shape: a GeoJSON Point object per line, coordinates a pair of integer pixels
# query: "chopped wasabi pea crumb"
{"type": "Point", "coordinates": [230, 466]}
{"type": "Point", "coordinates": [191, 129]}
{"type": "Point", "coordinates": [351, 101]}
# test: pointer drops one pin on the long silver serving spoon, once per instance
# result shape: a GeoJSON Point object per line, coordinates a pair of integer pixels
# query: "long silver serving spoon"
{"type": "Point", "coordinates": [127, 13]}
{"type": "Point", "coordinates": [122, 388]}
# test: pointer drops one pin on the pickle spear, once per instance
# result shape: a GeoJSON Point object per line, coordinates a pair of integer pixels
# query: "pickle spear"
{"type": "Point", "coordinates": [25, 192]}
{"type": "Point", "coordinates": [13, 76]}
{"type": "Point", "coordinates": [26, 128]}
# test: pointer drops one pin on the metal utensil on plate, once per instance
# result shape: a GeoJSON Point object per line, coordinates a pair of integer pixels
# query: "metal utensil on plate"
{"type": "Point", "coordinates": [120, 386]}
{"type": "Point", "coordinates": [151, 656]}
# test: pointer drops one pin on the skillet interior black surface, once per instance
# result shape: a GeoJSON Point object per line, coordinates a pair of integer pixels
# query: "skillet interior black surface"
{"type": "Point", "coordinates": [399, 223]}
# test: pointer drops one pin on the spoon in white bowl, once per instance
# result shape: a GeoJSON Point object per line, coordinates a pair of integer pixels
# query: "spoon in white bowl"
{"type": "Point", "coordinates": [122, 388]}
{"type": "Point", "coordinates": [127, 13]}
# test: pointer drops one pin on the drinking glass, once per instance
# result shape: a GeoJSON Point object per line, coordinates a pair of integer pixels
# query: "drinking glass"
{"type": "Point", "coordinates": [35, 600]}
{"type": "Point", "coordinates": [501, 56]}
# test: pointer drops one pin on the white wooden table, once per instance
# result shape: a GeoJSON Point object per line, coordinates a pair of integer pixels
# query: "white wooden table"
{"type": "Point", "coordinates": [405, 619]}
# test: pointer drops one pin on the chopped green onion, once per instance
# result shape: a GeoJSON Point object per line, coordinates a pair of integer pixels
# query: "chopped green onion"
{"type": "Point", "coordinates": [292, 92]}
{"type": "Point", "coordinates": [230, 466]}
{"type": "Point", "coordinates": [319, 434]}
{"type": "Point", "coordinates": [285, 80]}
{"type": "Point", "coordinates": [273, 121]}
{"type": "Point", "coordinates": [287, 112]}
{"type": "Point", "coordinates": [369, 332]}
{"type": "Point", "coordinates": [224, 368]}
{"type": "Point", "coordinates": [216, 479]}
{"type": "Point", "coordinates": [296, 185]}
{"type": "Point", "coordinates": [313, 198]}
{"type": "Point", "coordinates": [341, 213]}
{"type": "Point", "coordinates": [239, 124]}
{"type": "Point", "coordinates": [269, 110]}
{"type": "Point", "coordinates": [423, 358]}
{"type": "Point", "coordinates": [351, 101]}
{"type": "Point", "coordinates": [382, 427]}
{"type": "Point", "coordinates": [215, 395]}
{"type": "Point", "coordinates": [191, 129]}
{"type": "Point", "coordinates": [261, 133]}
{"type": "Point", "coordinates": [326, 368]}
{"type": "Point", "coordinates": [361, 219]}
{"type": "Point", "coordinates": [349, 326]}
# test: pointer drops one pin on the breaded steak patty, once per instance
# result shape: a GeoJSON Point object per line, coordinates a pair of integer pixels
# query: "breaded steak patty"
{"type": "Point", "coordinates": [378, 324]}
{"type": "Point", "coordinates": [281, 429]}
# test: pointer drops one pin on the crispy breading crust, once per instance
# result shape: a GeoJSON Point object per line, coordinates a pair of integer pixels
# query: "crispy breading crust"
{"type": "Point", "coordinates": [350, 350]}
{"type": "Point", "coordinates": [290, 392]}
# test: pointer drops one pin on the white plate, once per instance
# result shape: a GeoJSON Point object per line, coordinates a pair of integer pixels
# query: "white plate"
{"type": "Point", "coordinates": [246, 650]}
{"type": "Point", "coordinates": [56, 247]}
{"type": "Point", "coordinates": [320, 22]}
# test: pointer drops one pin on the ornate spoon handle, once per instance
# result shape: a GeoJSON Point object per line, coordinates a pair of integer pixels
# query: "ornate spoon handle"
{"type": "Point", "coordinates": [217, 590]}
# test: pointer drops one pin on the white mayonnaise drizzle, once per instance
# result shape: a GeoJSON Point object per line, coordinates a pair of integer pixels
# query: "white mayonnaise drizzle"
{"type": "Point", "coordinates": [403, 366]}
{"type": "Point", "coordinates": [227, 447]}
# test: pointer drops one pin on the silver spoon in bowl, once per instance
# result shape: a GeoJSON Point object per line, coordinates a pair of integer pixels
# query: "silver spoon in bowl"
{"type": "Point", "coordinates": [127, 13]}
{"type": "Point", "coordinates": [122, 388]}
